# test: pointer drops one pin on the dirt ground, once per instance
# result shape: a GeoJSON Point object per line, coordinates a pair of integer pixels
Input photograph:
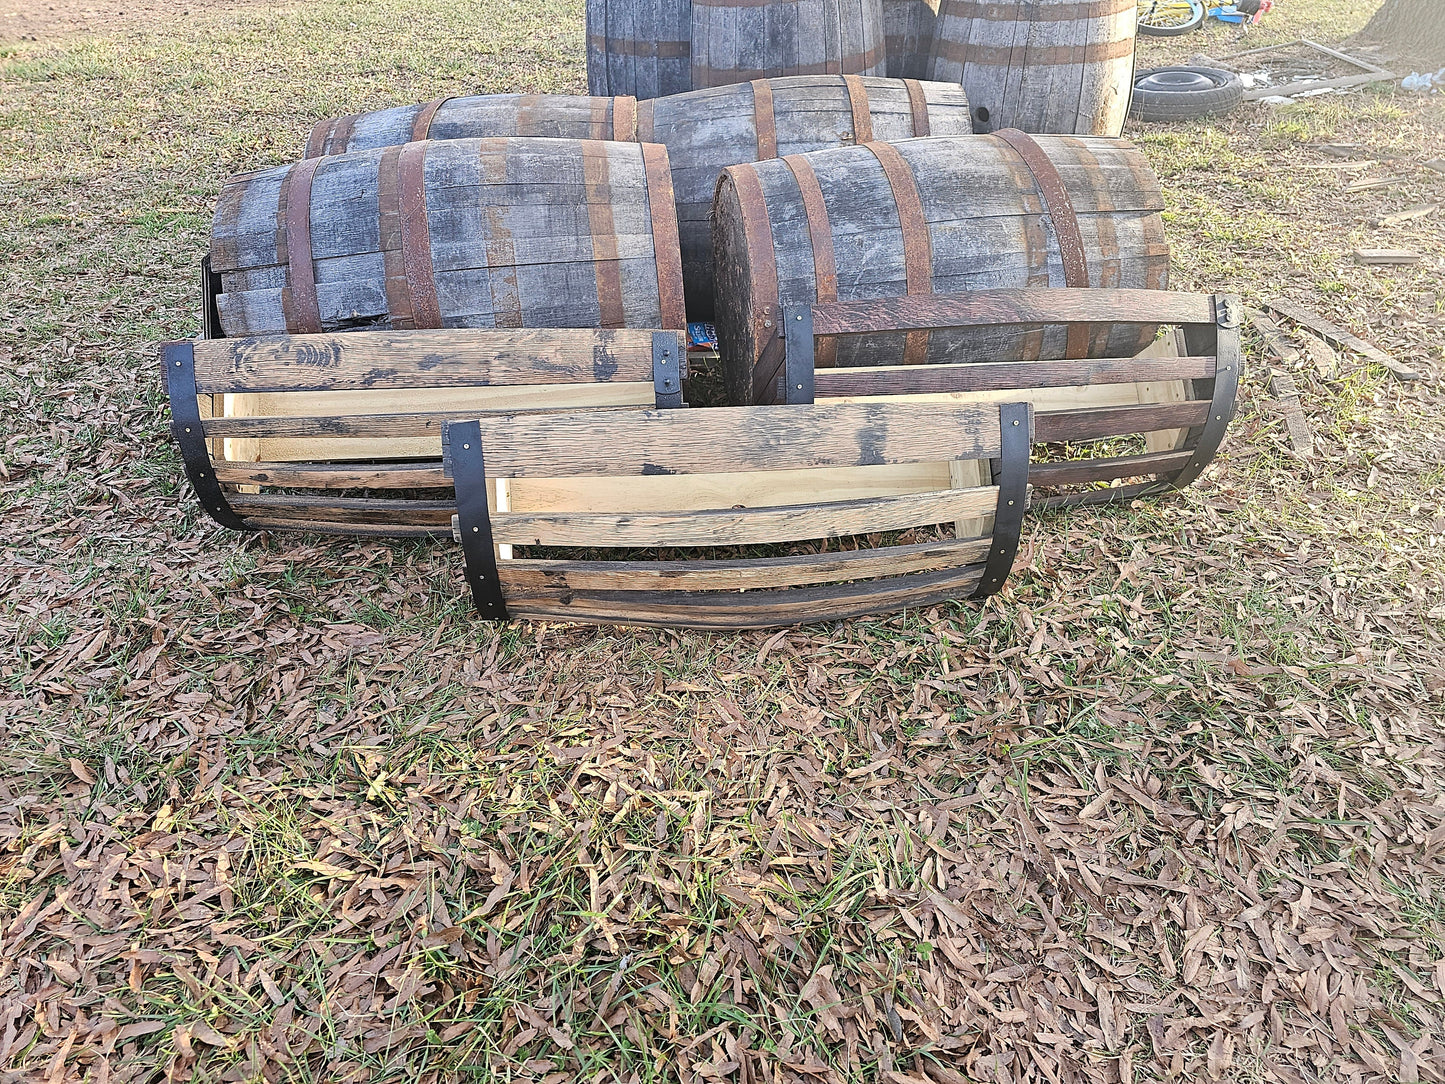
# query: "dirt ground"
{"type": "Point", "coordinates": [29, 20]}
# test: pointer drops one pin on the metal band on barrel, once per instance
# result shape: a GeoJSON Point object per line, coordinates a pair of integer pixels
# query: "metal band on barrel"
{"type": "Point", "coordinates": [299, 303]}
{"type": "Point", "coordinates": [666, 248]}
{"type": "Point", "coordinates": [1060, 209]}
{"type": "Point", "coordinates": [624, 118]}
{"type": "Point", "coordinates": [820, 234]}
{"type": "Point", "coordinates": [765, 121]}
{"type": "Point", "coordinates": [918, 106]}
{"type": "Point", "coordinates": [416, 236]}
{"type": "Point", "coordinates": [917, 248]}
{"type": "Point", "coordinates": [421, 126]}
{"type": "Point", "coordinates": [858, 103]}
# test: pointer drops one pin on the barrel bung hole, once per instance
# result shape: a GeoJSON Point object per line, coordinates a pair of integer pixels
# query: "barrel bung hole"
{"type": "Point", "coordinates": [981, 114]}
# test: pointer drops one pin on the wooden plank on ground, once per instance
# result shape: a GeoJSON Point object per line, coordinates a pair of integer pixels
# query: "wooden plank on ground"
{"type": "Point", "coordinates": [1420, 210]}
{"type": "Point", "coordinates": [1391, 257]}
{"type": "Point", "coordinates": [1286, 397]}
{"type": "Point", "coordinates": [1279, 348]}
{"type": "Point", "coordinates": [1338, 336]}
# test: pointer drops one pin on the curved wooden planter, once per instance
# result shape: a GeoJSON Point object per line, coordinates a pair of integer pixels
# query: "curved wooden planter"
{"type": "Point", "coordinates": [1178, 396]}
{"type": "Point", "coordinates": [571, 439]}
{"type": "Point", "coordinates": [737, 477]}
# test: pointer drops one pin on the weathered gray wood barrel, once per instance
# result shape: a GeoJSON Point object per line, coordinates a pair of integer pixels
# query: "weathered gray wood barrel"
{"type": "Point", "coordinates": [704, 132]}
{"type": "Point", "coordinates": [552, 116]}
{"type": "Point", "coordinates": [1039, 65]}
{"type": "Point", "coordinates": [908, 38]}
{"type": "Point", "coordinates": [938, 215]}
{"type": "Point", "coordinates": [452, 233]}
{"type": "Point", "coordinates": [708, 130]}
{"type": "Point", "coordinates": [734, 41]}
{"type": "Point", "coordinates": [639, 47]}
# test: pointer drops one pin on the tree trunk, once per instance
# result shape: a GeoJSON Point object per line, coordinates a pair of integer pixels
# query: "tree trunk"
{"type": "Point", "coordinates": [1416, 26]}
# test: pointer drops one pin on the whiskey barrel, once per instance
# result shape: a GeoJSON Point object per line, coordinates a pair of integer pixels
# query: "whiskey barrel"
{"type": "Point", "coordinates": [734, 41]}
{"type": "Point", "coordinates": [652, 48]}
{"type": "Point", "coordinates": [1039, 65]}
{"type": "Point", "coordinates": [552, 116]}
{"type": "Point", "coordinates": [639, 47]}
{"type": "Point", "coordinates": [704, 132]}
{"type": "Point", "coordinates": [708, 130]}
{"type": "Point", "coordinates": [939, 215]}
{"type": "Point", "coordinates": [452, 233]}
{"type": "Point", "coordinates": [908, 38]}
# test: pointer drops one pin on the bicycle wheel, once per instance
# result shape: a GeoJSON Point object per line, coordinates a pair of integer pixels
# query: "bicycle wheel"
{"type": "Point", "coordinates": [1168, 18]}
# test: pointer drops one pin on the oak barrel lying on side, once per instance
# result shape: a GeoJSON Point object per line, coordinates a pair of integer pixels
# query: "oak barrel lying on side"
{"type": "Point", "coordinates": [704, 132]}
{"type": "Point", "coordinates": [452, 234]}
{"type": "Point", "coordinates": [1061, 66]}
{"type": "Point", "coordinates": [708, 130]}
{"type": "Point", "coordinates": [551, 116]}
{"type": "Point", "coordinates": [933, 216]}
{"type": "Point", "coordinates": [908, 37]}
{"type": "Point", "coordinates": [639, 47]}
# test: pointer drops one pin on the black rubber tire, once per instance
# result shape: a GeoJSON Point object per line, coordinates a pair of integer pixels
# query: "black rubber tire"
{"type": "Point", "coordinates": [1195, 22]}
{"type": "Point", "coordinates": [1179, 93]}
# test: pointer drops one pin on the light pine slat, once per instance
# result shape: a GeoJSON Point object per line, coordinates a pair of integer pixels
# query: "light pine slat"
{"type": "Point", "coordinates": [525, 577]}
{"type": "Point", "coordinates": [736, 439]}
{"type": "Point", "coordinates": [730, 527]}
{"type": "Point", "coordinates": [384, 359]}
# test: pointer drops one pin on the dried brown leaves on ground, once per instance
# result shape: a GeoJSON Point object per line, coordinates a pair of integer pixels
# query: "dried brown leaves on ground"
{"type": "Point", "coordinates": [278, 808]}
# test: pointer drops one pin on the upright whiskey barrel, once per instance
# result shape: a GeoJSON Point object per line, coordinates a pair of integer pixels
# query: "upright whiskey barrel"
{"type": "Point", "coordinates": [452, 234]}
{"type": "Point", "coordinates": [908, 37]}
{"type": "Point", "coordinates": [939, 215]}
{"type": "Point", "coordinates": [734, 41]}
{"type": "Point", "coordinates": [1062, 66]}
{"type": "Point", "coordinates": [704, 132]}
{"type": "Point", "coordinates": [708, 130]}
{"type": "Point", "coordinates": [551, 116]}
{"type": "Point", "coordinates": [639, 47]}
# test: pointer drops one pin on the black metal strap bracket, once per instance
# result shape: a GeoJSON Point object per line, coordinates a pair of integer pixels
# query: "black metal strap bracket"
{"type": "Point", "coordinates": [668, 370]}
{"type": "Point", "coordinates": [1228, 361]}
{"type": "Point", "coordinates": [179, 360]}
{"type": "Point", "coordinates": [1016, 428]}
{"type": "Point", "coordinates": [210, 289]}
{"type": "Point", "coordinates": [462, 442]}
{"type": "Point", "coordinates": [798, 354]}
